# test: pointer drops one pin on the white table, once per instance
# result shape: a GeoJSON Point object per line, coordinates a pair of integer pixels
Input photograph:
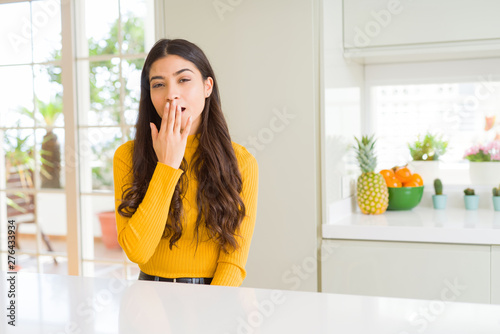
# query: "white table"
{"type": "Point", "coordinates": [454, 225]}
{"type": "Point", "coordinates": [68, 304]}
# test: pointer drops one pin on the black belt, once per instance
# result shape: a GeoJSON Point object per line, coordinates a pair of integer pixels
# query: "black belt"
{"type": "Point", "coordinates": [191, 280]}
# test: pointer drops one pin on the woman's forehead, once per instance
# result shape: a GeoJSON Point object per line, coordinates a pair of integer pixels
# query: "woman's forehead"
{"type": "Point", "coordinates": [171, 65]}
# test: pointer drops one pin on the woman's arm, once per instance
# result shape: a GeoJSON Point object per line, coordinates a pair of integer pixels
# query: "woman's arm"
{"type": "Point", "coordinates": [140, 234]}
{"type": "Point", "coordinates": [231, 267]}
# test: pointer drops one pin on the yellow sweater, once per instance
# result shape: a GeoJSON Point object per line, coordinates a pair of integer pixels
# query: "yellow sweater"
{"type": "Point", "coordinates": [140, 236]}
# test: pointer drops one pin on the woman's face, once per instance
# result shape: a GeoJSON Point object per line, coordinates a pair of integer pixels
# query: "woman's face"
{"type": "Point", "coordinates": [176, 80]}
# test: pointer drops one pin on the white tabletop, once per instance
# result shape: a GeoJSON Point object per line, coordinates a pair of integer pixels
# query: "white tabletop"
{"type": "Point", "coordinates": [452, 225]}
{"type": "Point", "coordinates": [69, 304]}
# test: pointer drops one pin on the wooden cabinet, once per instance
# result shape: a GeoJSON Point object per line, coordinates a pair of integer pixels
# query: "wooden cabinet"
{"type": "Point", "coordinates": [408, 270]}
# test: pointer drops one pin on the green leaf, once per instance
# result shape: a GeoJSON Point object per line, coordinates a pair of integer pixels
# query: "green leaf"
{"type": "Point", "coordinates": [432, 147]}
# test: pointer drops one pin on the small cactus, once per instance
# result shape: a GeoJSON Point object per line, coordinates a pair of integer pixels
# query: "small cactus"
{"type": "Point", "coordinates": [469, 192]}
{"type": "Point", "coordinates": [438, 186]}
{"type": "Point", "coordinates": [496, 191]}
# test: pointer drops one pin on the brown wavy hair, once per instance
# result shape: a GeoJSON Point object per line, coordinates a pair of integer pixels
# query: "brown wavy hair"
{"type": "Point", "coordinates": [214, 163]}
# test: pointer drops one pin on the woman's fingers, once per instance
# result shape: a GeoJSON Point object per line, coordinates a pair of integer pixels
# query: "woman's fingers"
{"type": "Point", "coordinates": [169, 143]}
{"type": "Point", "coordinates": [178, 118]}
{"type": "Point", "coordinates": [171, 116]}
{"type": "Point", "coordinates": [154, 131]}
{"type": "Point", "coordinates": [187, 129]}
{"type": "Point", "coordinates": [163, 125]}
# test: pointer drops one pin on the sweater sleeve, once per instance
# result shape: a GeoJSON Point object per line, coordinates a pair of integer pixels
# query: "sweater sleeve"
{"type": "Point", "coordinates": [230, 269]}
{"type": "Point", "coordinates": [140, 234]}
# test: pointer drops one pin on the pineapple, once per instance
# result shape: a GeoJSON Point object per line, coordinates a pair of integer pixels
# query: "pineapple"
{"type": "Point", "coordinates": [372, 193]}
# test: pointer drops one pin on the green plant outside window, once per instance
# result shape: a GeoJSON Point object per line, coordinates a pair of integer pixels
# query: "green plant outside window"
{"type": "Point", "coordinates": [431, 148]}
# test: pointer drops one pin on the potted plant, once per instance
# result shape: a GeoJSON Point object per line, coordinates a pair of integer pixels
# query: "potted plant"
{"type": "Point", "coordinates": [108, 229]}
{"type": "Point", "coordinates": [50, 154]}
{"type": "Point", "coordinates": [20, 174]}
{"type": "Point", "coordinates": [484, 163]}
{"type": "Point", "coordinates": [425, 154]}
{"type": "Point", "coordinates": [496, 198]}
{"type": "Point", "coordinates": [471, 199]}
{"type": "Point", "coordinates": [102, 178]}
{"type": "Point", "coordinates": [439, 200]}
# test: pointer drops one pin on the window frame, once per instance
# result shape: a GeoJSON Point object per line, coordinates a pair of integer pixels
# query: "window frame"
{"type": "Point", "coordinates": [72, 30]}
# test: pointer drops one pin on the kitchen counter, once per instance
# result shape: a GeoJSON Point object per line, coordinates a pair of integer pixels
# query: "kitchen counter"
{"type": "Point", "coordinates": [422, 224]}
{"type": "Point", "coordinates": [69, 304]}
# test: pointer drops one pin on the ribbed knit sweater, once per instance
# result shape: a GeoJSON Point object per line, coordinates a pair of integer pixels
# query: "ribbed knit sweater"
{"type": "Point", "coordinates": [140, 236]}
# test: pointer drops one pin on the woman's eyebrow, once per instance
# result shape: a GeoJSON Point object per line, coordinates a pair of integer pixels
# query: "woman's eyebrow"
{"type": "Point", "coordinates": [175, 74]}
{"type": "Point", "coordinates": [183, 70]}
{"type": "Point", "coordinates": [156, 77]}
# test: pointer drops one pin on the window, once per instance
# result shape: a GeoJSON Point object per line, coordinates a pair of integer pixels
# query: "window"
{"type": "Point", "coordinates": [111, 42]}
{"type": "Point", "coordinates": [33, 129]}
{"type": "Point", "coordinates": [115, 37]}
{"type": "Point", "coordinates": [462, 107]}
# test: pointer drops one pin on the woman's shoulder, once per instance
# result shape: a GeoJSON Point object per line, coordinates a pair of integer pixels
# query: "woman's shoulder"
{"type": "Point", "coordinates": [245, 158]}
{"type": "Point", "coordinates": [125, 151]}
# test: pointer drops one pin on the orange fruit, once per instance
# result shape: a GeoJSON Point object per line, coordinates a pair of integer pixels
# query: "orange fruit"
{"type": "Point", "coordinates": [396, 168]}
{"type": "Point", "coordinates": [393, 182]}
{"type": "Point", "coordinates": [416, 178]}
{"type": "Point", "coordinates": [387, 173]}
{"type": "Point", "coordinates": [403, 174]}
{"type": "Point", "coordinates": [411, 184]}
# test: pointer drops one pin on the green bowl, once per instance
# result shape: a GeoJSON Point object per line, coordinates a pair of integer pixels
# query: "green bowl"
{"type": "Point", "coordinates": [405, 198]}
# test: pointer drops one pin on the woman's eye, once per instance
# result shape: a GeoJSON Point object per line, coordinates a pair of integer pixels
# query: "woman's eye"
{"type": "Point", "coordinates": [184, 80]}
{"type": "Point", "coordinates": [156, 85]}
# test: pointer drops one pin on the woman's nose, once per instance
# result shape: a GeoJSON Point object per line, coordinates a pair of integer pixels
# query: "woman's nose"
{"type": "Point", "coordinates": [170, 100]}
{"type": "Point", "coordinates": [172, 94]}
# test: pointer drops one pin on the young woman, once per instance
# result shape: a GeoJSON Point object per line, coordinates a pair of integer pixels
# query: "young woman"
{"type": "Point", "coordinates": [186, 195]}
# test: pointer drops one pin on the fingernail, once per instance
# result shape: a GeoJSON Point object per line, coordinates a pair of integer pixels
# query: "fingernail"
{"type": "Point", "coordinates": [168, 105]}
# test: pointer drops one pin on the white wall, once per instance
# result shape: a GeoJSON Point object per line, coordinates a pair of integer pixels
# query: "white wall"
{"type": "Point", "coordinates": [265, 56]}
{"type": "Point", "coordinates": [343, 101]}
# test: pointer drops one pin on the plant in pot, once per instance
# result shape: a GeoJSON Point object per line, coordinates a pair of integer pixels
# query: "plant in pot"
{"type": "Point", "coordinates": [50, 154]}
{"type": "Point", "coordinates": [20, 175]}
{"type": "Point", "coordinates": [439, 200]}
{"type": "Point", "coordinates": [484, 163]}
{"type": "Point", "coordinates": [496, 198]}
{"type": "Point", "coordinates": [425, 154]}
{"type": "Point", "coordinates": [471, 199]}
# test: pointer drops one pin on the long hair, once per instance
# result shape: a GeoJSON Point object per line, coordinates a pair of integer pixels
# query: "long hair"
{"type": "Point", "coordinates": [214, 163]}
